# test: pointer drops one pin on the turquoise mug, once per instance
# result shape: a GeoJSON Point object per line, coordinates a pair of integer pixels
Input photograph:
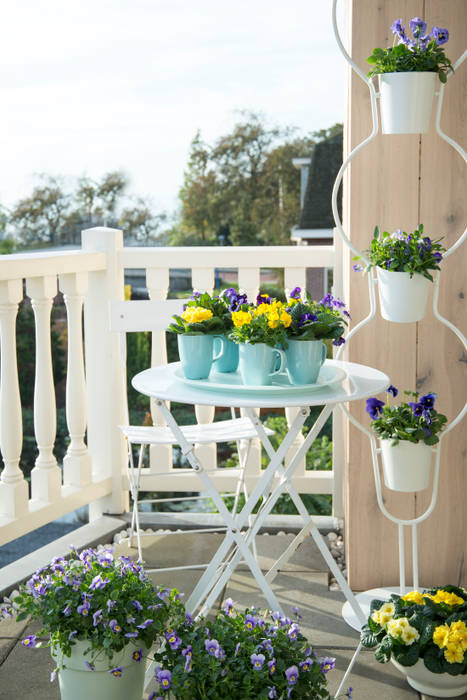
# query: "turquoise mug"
{"type": "Point", "coordinates": [304, 360]}
{"type": "Point", "coordinates": [228, 360]}
{"type": "Point", "coordinates": [196, 354]}
{"type": "Point", "coordinates": [258, 363]}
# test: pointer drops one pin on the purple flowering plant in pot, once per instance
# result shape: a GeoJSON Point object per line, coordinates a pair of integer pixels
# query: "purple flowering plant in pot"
{"type": "Point", "coordinates": [407, 74]}
{"type": "Point", "coordinates": [240, 655]}
{"type": "Point", "coordinates": [407, 433]}
{"type": "Point", "coordinates": [403, 262]}
{"type": "Point", "coordinates": [100, 615]}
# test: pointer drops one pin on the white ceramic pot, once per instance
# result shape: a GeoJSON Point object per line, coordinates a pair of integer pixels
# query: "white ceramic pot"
{"type": "Point", "coordinates": [402, 298]}
{"type": "Point", "coordinates": [406, 101]}
{"type": "Point", "coordinates": [406, 466]}
{"type": "Point", "coordinates": [76, 681]}
{"type": "Point", "coordinates": [439, 685]}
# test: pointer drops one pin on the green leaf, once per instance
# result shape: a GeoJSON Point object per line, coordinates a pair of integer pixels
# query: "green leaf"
{"type": "Point", "coordinates": [433, 658]}
{"type": "Point", "coordinates": [383, 654]}
{"type": "Point", "coordinates": [367, 638]}
{"type": "Point", "coordinates": [407, 656]}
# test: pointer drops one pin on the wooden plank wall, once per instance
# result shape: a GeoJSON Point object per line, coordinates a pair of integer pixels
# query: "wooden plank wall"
{"type": "Point", "coordinates": [398, 182]}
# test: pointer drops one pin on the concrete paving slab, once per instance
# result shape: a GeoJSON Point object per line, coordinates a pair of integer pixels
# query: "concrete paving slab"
{"type": "Point", "coordinates": [26, 673]}
{"type": "Point", "coordinates": [432, 697]}
{"type": "Point", "coordinates": [320, 608]}
{"type": "Point", "coordinates": [174, 550]}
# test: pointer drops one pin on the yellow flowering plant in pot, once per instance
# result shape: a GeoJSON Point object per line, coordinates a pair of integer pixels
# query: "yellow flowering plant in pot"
{"type": "Point", "coordinates": [203, 318]}
{"type": "Point", "coordinates": [425, 635]}
{"type": "Point", "coordinates": [260, 331]}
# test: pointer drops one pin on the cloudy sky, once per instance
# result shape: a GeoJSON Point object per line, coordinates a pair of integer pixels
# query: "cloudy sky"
{"type": "Point", "coordinates": [96, 85]}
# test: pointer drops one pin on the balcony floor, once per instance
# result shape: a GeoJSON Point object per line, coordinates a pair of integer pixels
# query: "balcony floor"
{"type": "Point", "coordinates": [303, 582]}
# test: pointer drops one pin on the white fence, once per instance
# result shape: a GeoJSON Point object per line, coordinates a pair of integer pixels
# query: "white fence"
{"type": "Point", "coordinates": [93, 473]}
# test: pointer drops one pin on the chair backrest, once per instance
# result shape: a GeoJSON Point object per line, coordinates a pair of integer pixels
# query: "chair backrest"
{"type": "Point", "coordinates": [139, 316]}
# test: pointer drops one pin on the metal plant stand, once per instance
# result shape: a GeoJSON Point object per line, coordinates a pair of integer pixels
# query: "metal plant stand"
{"type": "Point", "coordinates": [365, 598]}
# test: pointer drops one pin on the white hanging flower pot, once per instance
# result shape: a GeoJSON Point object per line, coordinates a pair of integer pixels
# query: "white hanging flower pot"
{"type": "Point", "coordinates": [402, 298]}
{"type": "Point", "coordinates": [439, 685]}
{"type": "Point", "coordinates": [77, 681]}
{"type": "Point", "coordinates": [406, 466]}
{"type": "Point", "coordinates": [406, 101]}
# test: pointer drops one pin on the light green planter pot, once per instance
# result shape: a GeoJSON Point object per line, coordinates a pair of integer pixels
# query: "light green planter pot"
{"type": "Point", "coordinates": [77, 682]}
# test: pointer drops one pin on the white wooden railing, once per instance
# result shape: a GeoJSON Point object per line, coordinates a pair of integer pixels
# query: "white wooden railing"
{"type": "Point", "coordinates": [93, 473]}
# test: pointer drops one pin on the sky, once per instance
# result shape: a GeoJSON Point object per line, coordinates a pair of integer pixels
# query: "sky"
{"type": "Point", "coordinates": [99, 85]}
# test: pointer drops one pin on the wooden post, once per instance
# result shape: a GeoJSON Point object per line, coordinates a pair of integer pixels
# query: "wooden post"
{"type": "Point", "coordinates": [398, 182]}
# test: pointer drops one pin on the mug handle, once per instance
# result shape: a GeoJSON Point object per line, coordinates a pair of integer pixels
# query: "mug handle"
{"type": "Point", "coordinates": [282, 358]}
{"type": "Point", "coordinates": [323, 353]}
{"type": "Point", "coordinates": [221, 351]}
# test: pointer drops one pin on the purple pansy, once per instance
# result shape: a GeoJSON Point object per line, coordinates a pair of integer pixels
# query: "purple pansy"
{"type": "Point", "coordinates": [96, 617]}
{"type": "Point", "coordinates": [292, 675]}
{"type": "Point", "coordinates": [327, 663]}
{"type": "Point", "coordinates": [440, 35]}
{"type": "Point", "coordinates": [89, 666]}
{"type": "Point", "coordinates": [228, 606]}
{"type": "Point", "coordinates": [417, 408]}
{"type": "Point", "coordinates": [305, 665]}
{"type": "Point", "coordinates": [392, 390]}
{"type": "Point", "coordinates": [295, 293]}
{"type": "Point", "coordinates": [29, 641]}
{"type": "Point", "coordinates": [272, 665]}
{"type": "Point", "coordinates": [164, 678]}
{"type": "Point", "coordinates": [250, 621]}
{"type": "Point", "coordinates": [338, 341]}
{"type": "Point", "coordinates": [137, 604]}
{"type": "Point", "coordinates": [137, 655]}
{"type": "Point", "coordinates": [131, 635]}
{"type": "Point", "coordinates": [272, 692]}
{"type": "Point", "coordinates": [257, 661]}
{"type": "Point", "coordinates": [293, 632]}
{"type": "Point", "coordinates": [144, 625]}
{"type": "Point", "coordinates": [374, 407]}
{"type": "Point", "coordinates": [397, 28]}
{"type": "Point", "coordinates": [98, 582]}
{"type": "Point", "coordinates": [173, 639]}
{"type": "Point", "coordinates": [83, 609]}
{"type": "Point", "coordinates": [116, 672]}
{"type": "Point", "coordinates": [418, 26]}
{"type": "Point", "coordinates": [114, 626]}
{"type": "Point", "coordinates": [212, 646]}
{"type": "Point", "coordinates": [428, 401]}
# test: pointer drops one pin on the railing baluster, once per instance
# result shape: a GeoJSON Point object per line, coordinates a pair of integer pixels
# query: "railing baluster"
{"type": "Point", "coordinates": [77, 462]}
{"type": "Point", "coordinates": [13, 487]}
{"type": "Point", "coordinates": [202, 279]}
{"type": "Point", "coordinates": [157, 282]}
{"type": "Point", "coordinates": [46, 477]}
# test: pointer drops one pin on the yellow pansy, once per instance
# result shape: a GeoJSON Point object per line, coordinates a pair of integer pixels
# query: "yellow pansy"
{"type": "Point", "coordinates": [263, 309]}
{"type": "Point", "coordinates": [196, 314]}
{"type": "Point", "coordinates": [441, 636]}
{"type": "Point", "coordinates": [286, 319]}
{"type": "Point", "coordinates": [414, 597]}
{"type": "Point", "coordinates": [241, 318]}
{"type": "Point", "coordinates": [454, 654]}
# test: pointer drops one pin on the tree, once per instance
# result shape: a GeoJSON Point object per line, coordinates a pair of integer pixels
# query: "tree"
{"type": "Point", "coordinates": [141, 224]}
{"type": "Point", "coordinates": [244, 188]}
{"type": "Point", "coordinates": [41, 217]}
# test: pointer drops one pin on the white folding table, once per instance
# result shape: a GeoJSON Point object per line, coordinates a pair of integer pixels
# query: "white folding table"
{"type": "Point", "coordinates": [165, 383]}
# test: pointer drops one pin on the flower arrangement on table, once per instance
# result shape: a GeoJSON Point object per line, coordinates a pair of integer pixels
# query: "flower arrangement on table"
{"type": "Point", "coordinates": [316, 320]}
{"type": "Point", "coordinates": [422, 52]}
{"type": "Point", "coordinates": [431, 625]}
{"type": "Point", "coordinates": [414, 252]}
{"type": "Point", "coordinates": [263, 322]}
{"type": "Point", "coordinates": [104, 601]}
{"type": "Point", "coordinates": [240, 655]}
{"type": "Point", "coordinates": [414, 421]}
{"type": "Point", "coordinates": [203, 314]}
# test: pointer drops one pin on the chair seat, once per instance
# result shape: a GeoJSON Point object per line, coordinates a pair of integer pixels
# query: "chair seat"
{"type": "Point", "coordinates": [222, 431]}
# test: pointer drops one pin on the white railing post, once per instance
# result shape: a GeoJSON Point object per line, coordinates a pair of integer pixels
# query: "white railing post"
{"type": "Point", "coordinates": [104, 380]}
{"type": "Point", "coordinates": [46, 476]}
{"type": "Point", "coordinates": [157, 282]}
{"type": "Point", "coordinates": [77, 462]}
{"type": "Point", "coordinates": [13, 487]}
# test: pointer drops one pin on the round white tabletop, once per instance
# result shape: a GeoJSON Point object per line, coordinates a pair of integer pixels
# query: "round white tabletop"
{"type": "Point", "coordinates": [166, 382]}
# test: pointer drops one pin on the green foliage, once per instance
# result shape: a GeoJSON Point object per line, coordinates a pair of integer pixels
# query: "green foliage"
{"type": "Point", "coordinates": [98, 599]}
{"type": "Point", "coordinates": [244, 189]}
{"type": "Point", "coordinates": [7, 246]}
{"type": "Point", "coordinates": [220, 322]}
{"type": "Point", "coordinates": [402, 252]}
{"type": "Point", "coordinates": [316, 320]}
{"type": "Point", "coordinates": [240, 655]}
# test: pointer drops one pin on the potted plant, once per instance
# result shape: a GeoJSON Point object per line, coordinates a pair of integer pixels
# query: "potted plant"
{"type": "Point", "coordinates": [102, 615]}
{"type": "Point", "coordinates": [202, 319]}
{"type": "Point", "coordinates": [403, 262]}
{"type": "Point", "coordinates": [259, 330]}
{"type": "Point", "coordinates": [232, 300]}
{"type": "Point", "coordinates": [407, 74]}
{"type": "Point", "coordinates": [425, 636]}
{"type": "Point", "coordinates": [240, 655]}
{"type": "Point", "coordinates": [407, 433]}
{"type": "Point", "coordinates": [312, 322]}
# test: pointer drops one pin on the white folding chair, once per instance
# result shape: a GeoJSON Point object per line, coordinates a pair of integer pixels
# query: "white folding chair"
{"type": "Point", "coordinates": [136, 316]}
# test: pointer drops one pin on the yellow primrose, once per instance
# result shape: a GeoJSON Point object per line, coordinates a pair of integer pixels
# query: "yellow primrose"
{"type": "Point", "coordinates": [241, 318]}
{"type": "Point", "coordinates": [396, 627]}
{"type": "Point", "coordinates": [441, 636]}
{"type": "Point", "coordinates": [414, 597]}
{"type": "Point", "coordinates": [454, 654]}
{"type": "Point", "coordinates": [410, 635]}
{"type": "Point", "coordinates": [445, 597]}
{"type": "Point", "coordinates": [196, 314]}
{"type": "Point", "coordinates": [376, 617]}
